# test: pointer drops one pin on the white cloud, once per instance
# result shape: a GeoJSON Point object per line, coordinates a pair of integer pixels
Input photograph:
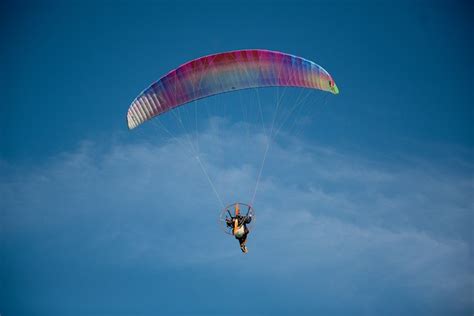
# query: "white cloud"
{"type": "Point", "coordinates": [319, 211]}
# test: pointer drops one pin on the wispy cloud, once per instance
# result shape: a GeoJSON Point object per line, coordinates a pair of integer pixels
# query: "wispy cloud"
{"type": "Point", "coordinates": [334, 223]}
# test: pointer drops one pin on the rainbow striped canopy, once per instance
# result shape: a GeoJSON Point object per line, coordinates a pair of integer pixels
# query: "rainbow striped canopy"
{"type": "Point", "coordinates": [224, 72]}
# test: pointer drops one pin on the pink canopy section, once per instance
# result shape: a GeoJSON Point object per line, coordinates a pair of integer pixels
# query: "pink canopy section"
{"type": "Point", "coordinates": [224, 72]}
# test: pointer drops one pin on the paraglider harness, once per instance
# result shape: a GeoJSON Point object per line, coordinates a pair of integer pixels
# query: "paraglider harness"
{"type": "Point", "coordinates": [238, 222]}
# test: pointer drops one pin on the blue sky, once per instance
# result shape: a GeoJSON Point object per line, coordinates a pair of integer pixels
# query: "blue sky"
{"type": "Point", "coordinates": [367, 210]}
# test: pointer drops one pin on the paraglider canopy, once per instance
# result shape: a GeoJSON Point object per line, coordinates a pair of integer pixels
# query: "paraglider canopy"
{"type": "Point", "coordinates": [225, 72]}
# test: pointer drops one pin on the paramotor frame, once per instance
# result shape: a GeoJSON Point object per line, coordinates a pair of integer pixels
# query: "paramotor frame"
{"type": "Point", "coordinates": [233, 210]}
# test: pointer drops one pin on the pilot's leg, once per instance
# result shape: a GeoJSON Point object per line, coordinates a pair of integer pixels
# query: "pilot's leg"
{"type": "Point", "coordinates": [242, 242]}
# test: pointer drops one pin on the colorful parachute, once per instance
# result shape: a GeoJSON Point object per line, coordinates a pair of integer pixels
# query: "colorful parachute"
{"type": "Point", "coordinates": [226, 72]}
